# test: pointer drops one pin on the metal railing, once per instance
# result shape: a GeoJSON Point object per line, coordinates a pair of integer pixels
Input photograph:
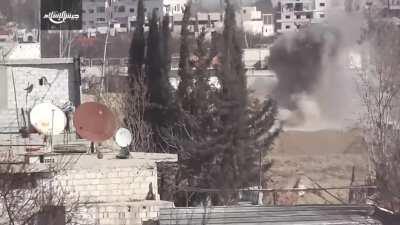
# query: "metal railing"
{"type": "Point", "coordinates": [362, 192]}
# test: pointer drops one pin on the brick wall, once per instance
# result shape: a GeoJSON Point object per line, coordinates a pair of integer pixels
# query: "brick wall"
{"type": "Point", "coordinates": [133, 213]}
{"type": "Point", "coordinates": [113, 191]}
{"type": "Point", "coordinates": [107, 185]}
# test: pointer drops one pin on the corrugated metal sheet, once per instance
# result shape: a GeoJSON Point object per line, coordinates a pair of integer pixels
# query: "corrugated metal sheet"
{"type": "Point", "coordinates": [252, 215]}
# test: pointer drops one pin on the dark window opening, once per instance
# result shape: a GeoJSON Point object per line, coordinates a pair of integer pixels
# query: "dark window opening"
{"type": "Point", "coordinates": [298, 7]}
{"type": "Point", "coordinates": [121, 8]}
{"type": "Point", "coordinates": [101, 9]}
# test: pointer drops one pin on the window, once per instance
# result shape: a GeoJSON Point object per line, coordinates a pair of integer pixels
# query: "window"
{"type": "Point", "coordinates": [322, 15]}
{"type": "Point", "coordinates": [132, 10]}
{"type": "Point", "coordinates": [298, 16]}
{"type": "Point", "coordinates": [244, 11]}
{"type": "Point", "coordinates": [100, 19]}
{"type": "Point", "coordinates": [145, 9]}
{"type": "Point", "coordinates": [91, 22]}
{"type": "Point", "coordinates": [83, 11]}
{"type": "Point", "coordinates": [268, 19]}
{"type": "Point", "coordinates": [308, 16]}
{"type": "Point", "coordinates": [298, 7]}
{"type": "Point", "coordinates": [287, 27]}
{"type": "Point", "coordinates": [289, 6]}
{"type": "Point", "coordinates": [91, 10]}
{"type": "Point", "coordinates": [121, 8]}
{"type": "Point", "coordinates": [287, 16]}
{"type": "Point", "coordinates": [322, 4]}
{"type": "Point", "coordinates": [100, 9]}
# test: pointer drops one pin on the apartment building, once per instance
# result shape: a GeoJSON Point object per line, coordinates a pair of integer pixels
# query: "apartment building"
{"type": "Point", "coordinates": [256, 21]}
{"type": "Point", "coordinates": [295, 14]}
{"type": "Point", "coordinates": [393, 8]}
{"type": "Point", "coordinates": [122, 13]}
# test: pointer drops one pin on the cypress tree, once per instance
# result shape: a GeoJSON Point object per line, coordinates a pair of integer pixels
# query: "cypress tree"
{"type": "Point", "coordinates": [166, 36]}
{"type": "Point", "coordinates": [247, 127]}
{"type": "Point", "coordinates": [136, 98]}
{"type": "Point", "coordinates": [185, 73]}
{"type": "Point", "coordinates": [137, 48]}
{"type": "Point", "coordinates": [158, 113]}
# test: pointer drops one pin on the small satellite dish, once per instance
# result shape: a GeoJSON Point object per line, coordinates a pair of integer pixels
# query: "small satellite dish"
{"type": "Point", "coordinates": [48, 119]}
{"type": "Point", "coordinates": [94, 122]}
{"type": "Point", "coordinates": [123, 137]}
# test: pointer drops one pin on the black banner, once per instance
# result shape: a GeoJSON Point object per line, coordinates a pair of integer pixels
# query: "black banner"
{"type": "Point", "coordinates": [61, 14]}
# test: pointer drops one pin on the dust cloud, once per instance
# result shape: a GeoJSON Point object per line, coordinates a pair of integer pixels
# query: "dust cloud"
{"type": "Point", "coordinates": [316, 88]}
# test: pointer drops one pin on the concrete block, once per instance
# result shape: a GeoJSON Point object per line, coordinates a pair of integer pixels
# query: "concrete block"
{"type": "Point", "coordinates": [102, 187]}
{"type": "Point", "coordinates": [91, 175]}
{"type": "Point", "coordinates": [142, 215]}
{"type": "Point", "coordinates": [116, 180]}
{"type": "Point", "coordinates": [153, 215]}
{"type": "Point", "coordinates": [123, 174]}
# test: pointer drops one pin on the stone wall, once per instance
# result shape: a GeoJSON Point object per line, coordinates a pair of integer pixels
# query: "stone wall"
{"type": "Point", "coordinates": [105, 185]}
{"type": "Point", "coordinates": [133, 213]}
{"type": "Point", "coordinates": [116, 191]}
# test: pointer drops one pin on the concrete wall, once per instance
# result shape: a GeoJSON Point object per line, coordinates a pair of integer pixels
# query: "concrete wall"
{"type": "Point", "coordinates": [111, 191]}
{"type": "Point", "coordinates": [107, 185]}
{"type": "Point", "coordinates": [59, 73]}
{"type": "Point", "coordinates": [133, 213]}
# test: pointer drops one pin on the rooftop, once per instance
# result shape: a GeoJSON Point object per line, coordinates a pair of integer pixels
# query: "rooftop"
{"type": "Point", "coordinates": [293, 215]}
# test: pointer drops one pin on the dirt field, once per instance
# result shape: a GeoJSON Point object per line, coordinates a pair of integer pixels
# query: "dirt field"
{"type": "Point", "coordinates": [325, 157]}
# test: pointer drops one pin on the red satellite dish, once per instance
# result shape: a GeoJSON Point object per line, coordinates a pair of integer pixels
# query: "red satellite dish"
{"type": "Point", "coordinates": [94, 122]}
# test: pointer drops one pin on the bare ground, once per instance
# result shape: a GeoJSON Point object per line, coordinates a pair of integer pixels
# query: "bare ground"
{"type": "Point", "coordinates": [325, 157]}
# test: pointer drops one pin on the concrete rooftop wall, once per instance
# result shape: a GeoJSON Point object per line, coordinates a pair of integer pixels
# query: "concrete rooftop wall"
{"type": "Point", "coordinates": [22, 73]}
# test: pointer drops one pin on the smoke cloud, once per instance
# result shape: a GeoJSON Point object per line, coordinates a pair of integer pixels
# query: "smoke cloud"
{"type": "Point", "coordinates": [299, 60]}
{"type": "Point", "coordinates": [316, 89]}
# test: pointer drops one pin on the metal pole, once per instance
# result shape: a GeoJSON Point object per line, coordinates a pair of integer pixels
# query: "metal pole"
{"type": "Point", "coordinates": [52, 130]}
{"type": "Point", "coordinates": [105, 48]}
{"type": "Point", "coordinates": [15, 97]}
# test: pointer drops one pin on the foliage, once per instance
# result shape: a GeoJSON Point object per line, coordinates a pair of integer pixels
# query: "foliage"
{"type": "Point", "coordinates": [25, 192]}
{"type": "Point", "coordinates": [185, 72]}
{"type": "Point", "coordinates": [379, 87]}
{"type": "Point", "coordinates": [229, 133]}
{"type": "Point", "coordinates": [160, 113]}
{"type": "Point", "coordinates": [137, 49]}
{"type": "Point", "coordinates": [135, 101]}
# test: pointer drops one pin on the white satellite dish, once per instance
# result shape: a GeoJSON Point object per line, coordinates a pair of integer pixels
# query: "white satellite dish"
{"type": "Point", "coordinates": [123, 137]}
{"type": "Point", "coordinates": [48, 119]}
